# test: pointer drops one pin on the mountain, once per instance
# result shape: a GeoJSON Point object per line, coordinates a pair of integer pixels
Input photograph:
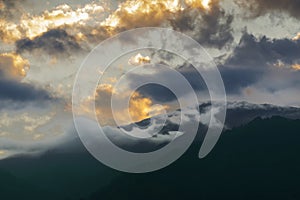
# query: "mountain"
{"type": "Point", "coordinates": [240, 113]}
{"type": "Point", "coordinates": [256, 161]}
{"type": "Point", "coordinates": [255, 158]}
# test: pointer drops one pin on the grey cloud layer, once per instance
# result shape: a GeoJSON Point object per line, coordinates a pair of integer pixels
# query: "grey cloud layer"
{"type": "Point", "coordinates": [16, 91]}
{"type": "Point", "coordinates": [262, 7]}
{"type": "Point", "coordinates": [53, 42]}
{"type": "Point", "coordinates": [252, 63]}
{"type": "Point", "coordinates": [255, 58]}
{"type": "Point", "coordinates": [10, 8]}
{"type": "Point", "coordinates": [255, 52]}
{"type": "Point", "coordinates": [211, 29]}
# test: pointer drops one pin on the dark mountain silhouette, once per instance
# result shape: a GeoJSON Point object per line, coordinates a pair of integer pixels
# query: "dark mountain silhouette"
{"type": "Point", "coordinates": [256, 159]}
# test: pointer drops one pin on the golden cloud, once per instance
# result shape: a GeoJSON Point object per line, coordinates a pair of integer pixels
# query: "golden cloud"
{"type": "Point", "coordinates": [296, 67]}
{"type": "Point", "coordinates": [13, 65]}
{"type": "Point", "coordinates": [88, 24]}
{"type": "Point", "coordinates": [31, 26]}
{"type": "Point", "coordinates": [142, 13]}
{"type": "Point", "coordinates": [280, 64]}
{"type": "Point", "coordinates": [29, 126]}
{"type": "Point", "coordinates": [297, 37]}
{"type": "Point", "coordinates": [2, 6]}
{"type": "Point", "coordinates": [139, 60]}
{"type": "Point", "coordinates": [205, 4]}
{"type": "Point", "coordinates": [2, 153]}
{"type": "Point", "coordinates": [139, 108]}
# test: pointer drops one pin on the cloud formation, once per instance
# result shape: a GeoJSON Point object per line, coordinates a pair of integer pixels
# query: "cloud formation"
{"type": "Point", "coordinates": [255, 52]}
{"type": "Point", "coordinates": [255, 58]}
{"type": "Point", "coordinates": [297, 37]}
{"type": "Point", "coordinates": [205, 21]}
{"type": "Point", "coordinates": [262, 7]}
{"type": "Point", "coordinates": [52, 42]}
{"type": "Point", "coordinates": [212, 29]}
{"type": "Point", "coordinates": [139, 60]}
{"type": "Point", "coordinates": [65, 30]}
{"type": "Point", "coordinates": [9, 8]}
{"type": "Point", "coordinates": [22, 92]}
{"type": "Point", "coordinates": [140, 107]}
{"type": "Point", "coordinates": [31, 133]}
{"type": "Point", "coordinates": [13, 69]}
{"type": "Point", "coordinates": [31, 26]}
{"type": "Point", "coordinates": [162, 94]}
{"type": "Point", "coordinates": [13, 66]}
{"type": "Point", "coordinates": [268, 64]}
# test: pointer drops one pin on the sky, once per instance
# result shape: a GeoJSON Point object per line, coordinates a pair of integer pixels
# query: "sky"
{"type": "Point", "coordinates": [254, 43]}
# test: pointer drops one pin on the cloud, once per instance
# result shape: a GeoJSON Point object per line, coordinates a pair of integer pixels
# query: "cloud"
{"type": "Point", "coordinates": [141, 13]}
{"type": "Point", "coordinates": [139, 60]}
{"type": "Point", "coordinates": [31, 26]}
{"type": "Point", "coordinates": [54, 42]}
{"type": "Point", "coordinates": [13, 66]}
{"type": "Point", "coordinates": [9, 8]}
{"type": "Point", "coordinates": [296, 67]}
{"type": "Point", "coordinates": [235, 80]}
{"type": "Point", "coordinates": [140, 107]}
{"type": "Point", "coordinates": [205, 21]}
{"type": "Point", "coordinates": [297, 37]}
{"type": "Point", "coordinates": [162, 94]}
{"type": "Point", "coordinates": [255, 52]}
{"type": "Point", "coordinates": [154, 91]}
{"type": "Point", "coordinates": [211, 28]}
{"type": "Point", "coordinates": [12, 70]}
{"type": "Point", "coordinates": [262, 7]}
{"type": "Point", "coordinates": [21, 92]}
{"type": "Point", "coordinates": [33, 127]}
{"type": "Point", "coordinates": [164, 129]}
{"type": "Point", "coordinates": [256, 58]}
{"type": "Point", "coordinates": [270, 64]}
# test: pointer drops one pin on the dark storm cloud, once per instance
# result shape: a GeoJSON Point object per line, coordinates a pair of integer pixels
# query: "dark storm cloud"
{"type": "Point", "coordinates": [211, 29]}
{"type": "Point", "coordinates": [14, 92]}
{"type": "Point", "coordinates": [261, 7]}
{"type": "Point", "coordinates": [255, 52]}
{"type": "Point", "coordinates": [162, 94]}
{"type": "Point", "coordinates": [157, 93]}
{"type": "Point", "coordinates": [154, 91]}
{"type": "Point", "coordinates": [53, 42]}
{"type": "Point", "coordinates": [20, 92]}
{"type": "Point", "coordinates": [237, 79]}
{"type": "Point", "coordinates": [255, 58]}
